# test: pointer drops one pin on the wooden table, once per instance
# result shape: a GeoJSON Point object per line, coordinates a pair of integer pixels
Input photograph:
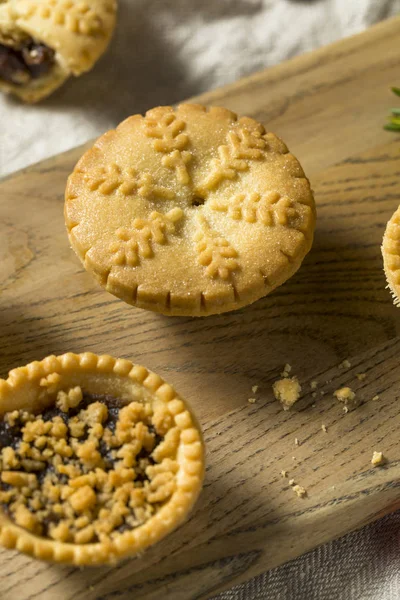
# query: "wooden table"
{"type": "Point", "coordinates": [329, 106]}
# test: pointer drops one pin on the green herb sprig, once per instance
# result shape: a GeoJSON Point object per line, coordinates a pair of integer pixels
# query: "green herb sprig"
{"type": "Point", "coordinates": [394, 117]}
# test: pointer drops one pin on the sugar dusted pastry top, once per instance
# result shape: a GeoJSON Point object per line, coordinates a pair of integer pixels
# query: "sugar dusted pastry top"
{"type": "Point", "coordinates": [79, 30]}
{"type": "Point", "coordinates": [190, 210]}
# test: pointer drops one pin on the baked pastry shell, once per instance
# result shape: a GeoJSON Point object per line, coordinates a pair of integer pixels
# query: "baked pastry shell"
{"type": "Point", "coordinates": [126, 381]}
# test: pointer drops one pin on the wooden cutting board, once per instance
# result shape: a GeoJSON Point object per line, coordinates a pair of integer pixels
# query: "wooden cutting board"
{"type": "Point", "coordinates": [329, 106]}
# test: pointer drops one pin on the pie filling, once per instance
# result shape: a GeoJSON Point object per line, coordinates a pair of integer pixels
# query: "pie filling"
{"type": "Point", "coordinates": [30, 60]}
{"type": "Point", "coordinates": [87, 469]}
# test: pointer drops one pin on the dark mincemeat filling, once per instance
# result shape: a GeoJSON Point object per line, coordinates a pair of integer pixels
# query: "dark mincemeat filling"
{"type": "Point", "coordinates": [30, 61]}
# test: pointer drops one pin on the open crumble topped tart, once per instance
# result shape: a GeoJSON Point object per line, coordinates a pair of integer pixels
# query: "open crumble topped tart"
{"type": "Point", "coordinates": [43, 42]}
{"type": "Point", "coordinates": [189, 211]}
{"type": "Point", "coordinates": [99, 458]}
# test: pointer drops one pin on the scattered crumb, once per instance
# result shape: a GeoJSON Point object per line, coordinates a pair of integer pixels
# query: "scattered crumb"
{"type": "Point", "coordinates": [375, 397]}
{"type": "Point", "coordinates": [328, 381]}
{"type": "Point", "coordinates": [251, 400]}
{"type": "Point", "coordinates": [91, 588]}
{"type": "Point", "coordinates": [345, 409]}
{"type": "Point", "coordinates": [324, 428]}
{"type": "Point", "coordinates": [378, 459]}
{"type": "Point", "coordinates": [296, 441]}
{"type": "Point", "coordinates": [287, 391]}
{"type": "Point", "coordinates": [300, 491]}
{"type": "Point", "coordinates": [291, 481]}
{"type": "Point", "coordinates": [345, 395]}
{"type": "Point", "coordinates": [361, 376]}
{"type": "Point", "coordinates": [284, 473]}
{"type": "Point", "coordinates": [314, 384]}
{"type": "Point", "coordinates": [322, 393]}
{"type": "Point", "coordinates": [293, 457]}
{"type": "Point", "coordinates": [345, 364]}
{"type": "Point", "coordinates": [286, 370]}
{"type": "Point", "coordinates": [314, 394]}
{"type": "Point", "coordinates": [313, 405]}
{"type": "Point", "coordinates": [254, 389]}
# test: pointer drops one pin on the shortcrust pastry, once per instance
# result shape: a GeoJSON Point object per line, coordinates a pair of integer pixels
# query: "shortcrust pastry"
{"type": "Point", "coordinates": [43, 42]}
{"type": "Point", "coordinates": [189, 211]}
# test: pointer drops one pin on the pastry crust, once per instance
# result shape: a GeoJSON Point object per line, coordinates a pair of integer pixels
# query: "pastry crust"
{"type": "Point", "coordinates": [25, 389]}
{"type": "Point", "coordinates": [78, 31]}
{"type": "Point", "coordinates": [391, 256]}
{"type": "Point", "coordinates": [190, 211]}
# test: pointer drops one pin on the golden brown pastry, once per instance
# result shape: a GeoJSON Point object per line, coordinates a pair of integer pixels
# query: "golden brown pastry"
{"type": "Point", "coordinates": [190, 211]}
{"type": "Point", "coordinates": [43, 42]}
{"type": "Point", "coordinates": [391, 255]}
{"type": "Point", "coordinates": [99, 459]}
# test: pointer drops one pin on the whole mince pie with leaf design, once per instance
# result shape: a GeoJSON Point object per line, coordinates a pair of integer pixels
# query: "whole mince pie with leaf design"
{"type": "Point", "coordinates": [99, 458]}
{"type": "Point", "coordinates": [189, 211]}
{"type": "Point", "coordinates": [43, 42]}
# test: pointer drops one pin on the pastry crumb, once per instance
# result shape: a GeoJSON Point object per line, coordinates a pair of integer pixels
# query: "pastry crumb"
{"type": "Point", "coordinates": [287, 391]}
{"type": "Point", "coordinates": [296, 441]}
{"type": "Point", "coordinates": [284, 473]}
{"type": "Point", "coordinates": [314, 395]}
{"type": "Point", "coordinates": [286, 370]}
{"type": "Point", "coordinates": [378, 459]}
{"type": "Point", "coordinates": [322, 393]}
{"type": "Point", "coordinates": [314, 384]}
{"type": "Point", "coordinates": [375, 397]}
{"type": "Point", "coordinates": [345, 395]}
{"type": "Point", "coordinates": [345, 364]}
{"type": "Point", "coordinates": [300, 491]}
{"type": "Point", "coordinates": [251, 400]}
{"type": "Point", "coordinates": [291, 482]}
{"type": "Point", "coordinates": [324, 428]}
{"type": "Point", "coordinates": [254, 389]}
{"type": "Point", "coordinates": [345, 409]}
{"type": "Point", "coordinates": [361, 376]}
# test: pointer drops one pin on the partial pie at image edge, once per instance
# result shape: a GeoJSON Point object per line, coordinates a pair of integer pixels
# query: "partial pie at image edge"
{"type": "Point", "coordinates": [43, 44]}
{"type": "Point", "coordinates": [242, 184]}
{"type": "Point", "coordinates": [178, 449]}
{"type": "Point", "coordinates": [391, 256]}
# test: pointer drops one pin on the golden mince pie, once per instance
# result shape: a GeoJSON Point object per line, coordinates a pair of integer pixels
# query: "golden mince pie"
{"type": "Point", "coordinates": [99, 459]}
{"type": "Point", "coordinates": [189, 211]}
{"type": "Point", "coordinates": [391, 255]}
{"type": "Point", "coordinates": [43, 42]}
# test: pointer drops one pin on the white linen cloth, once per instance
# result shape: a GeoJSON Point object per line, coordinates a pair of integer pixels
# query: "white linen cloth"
{"type": "Point", "coordinates": [168, 50]}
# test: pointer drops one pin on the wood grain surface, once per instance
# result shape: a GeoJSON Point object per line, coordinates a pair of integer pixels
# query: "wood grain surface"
{"type": "Point", "coordinates": [329, 106]}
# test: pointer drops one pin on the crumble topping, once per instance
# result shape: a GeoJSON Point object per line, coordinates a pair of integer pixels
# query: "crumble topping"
{"type": "Point", "coordinates": [378, 459]}
{"type": "Point", "coordinates": [88, 468]}
{"type": "Point", "coordinates": [287, 391]}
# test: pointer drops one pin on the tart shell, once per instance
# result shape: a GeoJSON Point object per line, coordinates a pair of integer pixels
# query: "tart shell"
{"type": "Point", "coordinates": [121, 378]}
